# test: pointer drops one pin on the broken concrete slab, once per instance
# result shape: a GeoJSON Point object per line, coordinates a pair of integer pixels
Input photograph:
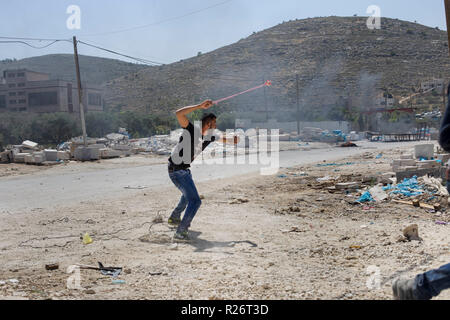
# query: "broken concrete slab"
{"type": "Point", "coordinates": [63, 155]}
{"type": "Point", "coordinates": [20, 157]}
{"type": "Point", "coordinates": [443, 157]}
{"type": "Point", "coordinates": [86, 154]}
{"type": "Point", "coordinates": [51, 154]}
{"type": "Point", "coordinates": [408, 174]}
{"type": "Point", "coordinates": [109, 153]}
{"type": "Point", "coordinates": [424, 151]}
{"type": "Point", "coordinates": [30, 144]}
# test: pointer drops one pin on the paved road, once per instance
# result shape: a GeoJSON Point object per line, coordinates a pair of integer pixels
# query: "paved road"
{"type": "Point", "coordinates": [70, 188]}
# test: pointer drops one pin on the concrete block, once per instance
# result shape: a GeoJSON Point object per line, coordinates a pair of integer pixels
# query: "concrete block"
{"type": "Point", "coordinates": [398, 169]}
{"type": "Point", "coordinates": [29, 159]}
{"type": "Point", "coordinates": [51, 155]}
{"type": "Point", "coordinates": [406, 156]}
{"type": "Point", "coordinates": [424, 151]}
{"type": "Point", "coordinates": [434, 172]}
{"type": "Point", "coordinates": [20, 157]}
{"type": "Point", "coordinates": [29, 144]}
{"type": "Point", "coordinates": [82, 154]}
{"type": "Point", "coordinates": [443, 157]}
{"type": "Point", "coordinates": [97, 146]}
{"type": "Point", "coordinates": [121, 147]}
{"type": "Point", "coordinates": [94, 153]}
{"type": "Point", "coordinates": [63, 155]}
{"type": "Point", "coordinates": [6, 156]}
{"type": "Point", "coordinates": [39, 157]}
{"type": "Point", "coordinates": [408, 163]}
{"type": "Point", "coordinates": [109, 153]}
{"type": "Point", "coordinates": [428, 164]}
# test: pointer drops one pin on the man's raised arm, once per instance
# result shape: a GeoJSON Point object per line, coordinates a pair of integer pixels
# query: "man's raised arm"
{"type": "Point", "coordinates": [183, 112]}
{"type": "Point", "coordinates": [444, 137]}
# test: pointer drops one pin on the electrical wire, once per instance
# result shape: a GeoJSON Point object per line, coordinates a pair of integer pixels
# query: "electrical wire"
{"type": "Point", "coordinates": [158, 22]}
{"type": "Point", "coordinates": [34, 47]}
{"type": "Point", "coordinates": [32, 39]}
{"type": "Point", "coordinates": [141, 60]}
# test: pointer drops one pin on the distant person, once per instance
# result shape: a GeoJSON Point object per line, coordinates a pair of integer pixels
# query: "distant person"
{"type": "Point", "coordinates": [192, 142]}
{"type": "Point", "coordinates": [430, 284]}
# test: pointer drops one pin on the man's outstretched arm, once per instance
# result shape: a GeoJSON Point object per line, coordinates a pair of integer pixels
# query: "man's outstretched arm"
{"type": "Point", "coordinates": [183, 112]}
{"type": "Point", "coordinates": [233, 140]}
{"type": "Point", "coordinates": [444, 136]}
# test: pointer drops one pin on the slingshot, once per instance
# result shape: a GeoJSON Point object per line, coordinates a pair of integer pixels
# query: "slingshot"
{"type": "Point", "coordinates": [268, 83]}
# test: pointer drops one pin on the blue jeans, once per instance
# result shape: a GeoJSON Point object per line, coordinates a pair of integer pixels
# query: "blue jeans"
{"type": "Point", "coordinates": [190, 200]}
{"type": "Point", "coordinates": [430, 284]}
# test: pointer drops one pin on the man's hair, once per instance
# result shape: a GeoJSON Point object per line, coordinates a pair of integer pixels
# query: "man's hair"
{"type": "Point", "coordinates": [207, 118]}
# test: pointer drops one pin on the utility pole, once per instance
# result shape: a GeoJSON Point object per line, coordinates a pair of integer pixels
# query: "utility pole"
{"type": "Point", "coordinates": [447, 11]}
{"type": "Point", "coordinates": [80, 93]}
{"type": "Point", "coordinates": [298, 106]}
{"type": "Point", "coordinates": [265, 101]}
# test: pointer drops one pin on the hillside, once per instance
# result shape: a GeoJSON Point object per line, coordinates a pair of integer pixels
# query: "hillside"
{"type": "Point", "coordinates": [340, 63]}
{"type": "Point", "coordinates": [61, 66]}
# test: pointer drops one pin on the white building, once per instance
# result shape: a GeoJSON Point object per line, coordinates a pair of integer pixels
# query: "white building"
{"type": "Point", "coordinates": [437, 84]}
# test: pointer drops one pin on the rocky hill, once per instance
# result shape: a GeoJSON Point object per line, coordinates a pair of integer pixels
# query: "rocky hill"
{"type": "Point", "coordinates": [339, 61]}
{"type": "Point", "coordinates": [94, 70]}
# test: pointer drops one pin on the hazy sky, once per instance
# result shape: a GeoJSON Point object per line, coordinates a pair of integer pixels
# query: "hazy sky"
{"type": "Point", "coordinates": [169, 40]}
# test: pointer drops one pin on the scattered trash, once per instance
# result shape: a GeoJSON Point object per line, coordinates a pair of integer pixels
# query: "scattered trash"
{"type": "Point", "coordinates": [348, 145]}
{"type": "Point", "coordinates": [282, 176]}
{"type": "Point", "coordinates": [118, 281]}
{"type": "Point", "coordinates": [89, 291]}
{"type": "Point", "coordinates": [379, 156]}
{"type": "Point", "coordinates": [13, 281]}
{"type": "Point", "coordinates": [335, 164]}
{"type": "Point", "coordinates": [378, 194]}
{"type": "Point", "coordinates": [87, 239]}
{"type": "Point", "coordinates": [173, 246]}
{"type": "Point", "coordinates": [412, 233]}
{"type": "Point", "coordinates": [136, 188]}
{"type": "Point", "coordinates": [107, 271]}
{"type": "Point", "coordinates": [2, 283]}
{"type": "Point", "coordinates": [366, 197]}
{"type": "Point", "coordinates": [239, 201]}
{"type": "Point", "coordinates": [51, 267]}
{"type": "Point", "coordinates": [442, 223]}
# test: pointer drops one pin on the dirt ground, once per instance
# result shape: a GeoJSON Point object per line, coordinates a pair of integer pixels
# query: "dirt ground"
{"type": "Point", "coordinates": [255, 237]}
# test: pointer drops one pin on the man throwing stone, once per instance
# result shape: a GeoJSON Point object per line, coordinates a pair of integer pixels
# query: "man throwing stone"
{"type": "Point", "coordinates": [192, 142]}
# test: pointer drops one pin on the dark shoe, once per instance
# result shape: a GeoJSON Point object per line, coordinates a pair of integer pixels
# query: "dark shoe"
{"type": "Point", "coordinates": [183, 236]}
{"type": "Point", "coordinates": [174, 221]}
{"type": "Point", "coordinates": [403, 289]}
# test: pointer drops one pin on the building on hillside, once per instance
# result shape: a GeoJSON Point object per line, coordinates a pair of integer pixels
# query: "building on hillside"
{"type": "Point", "coordinates": [25, 90]}
{"type": "Point", "coordinates": [437, 84]}
{"type": "Point", "coordinates": [384, 100]}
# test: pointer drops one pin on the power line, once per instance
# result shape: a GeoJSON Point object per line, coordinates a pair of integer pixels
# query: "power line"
{"type": "Point", "coordinates": [32, 39]}
{"type": "Point", "coordinates": [34, 47]}
{"type": "Point", "coordinates": [145, 61]}
{"type": "Point", "coordinates": [158, 22]}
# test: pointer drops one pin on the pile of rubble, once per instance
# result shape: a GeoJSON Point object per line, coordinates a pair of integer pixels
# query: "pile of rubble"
{"type": "Point", "coordinates": [320, 135]}
{"type": "Point", "coordinates": [424, 162]}
{"type": "Point", "coordinates": [31, 153]}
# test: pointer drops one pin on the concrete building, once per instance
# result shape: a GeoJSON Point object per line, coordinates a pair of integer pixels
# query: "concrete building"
{"type": "Point", "coordinates": [438, 84]}
{"type": "Point", "coordinates": [25, 90]}
{"type": "Point", "coordinates": [384, 100]}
